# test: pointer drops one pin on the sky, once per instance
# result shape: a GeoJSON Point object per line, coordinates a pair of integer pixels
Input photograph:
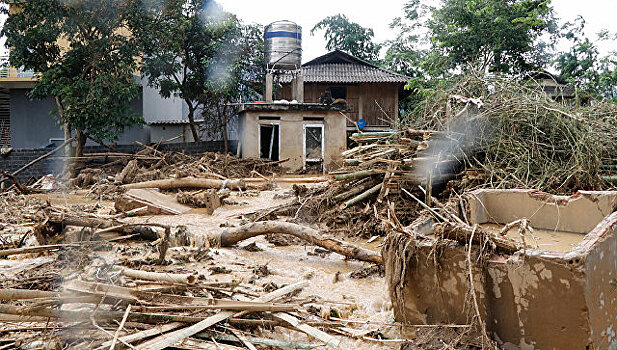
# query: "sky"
{"type": "Point", "coordinates": [599, 14]}
{"type": "Point", "coordinates": [378, 15]}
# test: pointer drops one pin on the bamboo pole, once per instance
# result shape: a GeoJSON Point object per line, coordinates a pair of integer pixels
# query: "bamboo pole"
{"type": "Point", "coordinates": [362, 196]}
{"type": "Point", "coordinates": [356, 176]}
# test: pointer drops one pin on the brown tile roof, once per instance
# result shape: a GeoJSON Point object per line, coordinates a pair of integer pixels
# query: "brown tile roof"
{"type": "Point", "coordinates": [341, 68]}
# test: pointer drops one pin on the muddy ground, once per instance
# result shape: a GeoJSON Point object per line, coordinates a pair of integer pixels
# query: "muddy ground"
{"type": "Point", "coordinates": [339, 290]}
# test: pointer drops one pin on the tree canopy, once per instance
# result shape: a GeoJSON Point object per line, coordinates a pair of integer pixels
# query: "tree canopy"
{"type": "Point", "coordinates": [86, 58]}
{"type": "Point", "coordinates": [344, 35]}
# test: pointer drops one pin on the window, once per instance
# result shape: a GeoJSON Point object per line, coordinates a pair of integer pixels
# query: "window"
{"type": "Point", "coordinates": [338, 92]}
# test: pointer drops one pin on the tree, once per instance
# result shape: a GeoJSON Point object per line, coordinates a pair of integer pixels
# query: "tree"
{"type": "Point", "coordinates": [503, 36]}
{"type": "Point", "coordinates": [236, 74]}
{"type": "Point", "coordinates": [181, 42]}
{"type": "Point", "coordinates": [86, 58]}
{"type": "Point", "coordinates": [348, 36]}
{"type": "Point", "coordinates": [582, 64]}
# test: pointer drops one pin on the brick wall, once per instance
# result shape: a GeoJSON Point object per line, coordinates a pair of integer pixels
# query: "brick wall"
{"type": "Point", "coordinates": [52, 165]}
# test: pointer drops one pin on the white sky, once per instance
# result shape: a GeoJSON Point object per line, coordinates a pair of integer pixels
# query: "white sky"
{"type": "Point", "coordinates": [599, 14]}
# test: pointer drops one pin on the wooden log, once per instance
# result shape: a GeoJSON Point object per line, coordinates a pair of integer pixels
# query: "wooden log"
{"type": "Point", "coordinates": [25, 294]}
{"type": "Point", "coordinates": [166, 340]}
{"type": "Point", "coordinates": [363, 196]}
{"type": "Point", "coordinates": [231, 236]}
{"type": "Point", "coordinates": [305, 328]}
{"type": "Point", "coordinates": [127, 175]}
{"type": "Point", "coordinates": [259, 341]}
{"type": "Point", "coordinates": [148, 333]}
{"type": "Point", "coordinates": [160, 276]}
{"type": "Point", "coordinates": [188, 182]}
{"type": "Point", "coordinates": [296, 180]}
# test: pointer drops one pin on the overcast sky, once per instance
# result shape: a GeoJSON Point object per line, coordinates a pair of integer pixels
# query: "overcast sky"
{"type": "Point", "coordinates": [599, 14]}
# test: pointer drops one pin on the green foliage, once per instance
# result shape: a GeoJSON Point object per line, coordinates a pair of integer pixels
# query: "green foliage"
{"type": "Point", "coordinates": [196, 51]}
{"type": "Point", "coordinates": [502, 35]}
{"type": "Point", "coordinates": [582, 64]}
{"type": "Point", "coordinates": [85, 56]}
{"type": "Point", "coordinates": [341, 34]}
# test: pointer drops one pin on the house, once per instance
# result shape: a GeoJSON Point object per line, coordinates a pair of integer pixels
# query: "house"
{"type": "Point", "coordinates": [373, 93]}
{"type": "Point", "coordinates": [299, 135]}
{"type": "Point", "coordinates": [557, 88]}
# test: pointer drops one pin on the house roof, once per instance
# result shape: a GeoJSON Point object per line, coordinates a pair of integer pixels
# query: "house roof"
{"type": "Point", "coordinates": [343, 68]}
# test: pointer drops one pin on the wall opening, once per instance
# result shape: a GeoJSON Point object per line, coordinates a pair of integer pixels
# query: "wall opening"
{"type": "Point", "coordinates": [339, 92]}
{"type": "Point", "coordinates": [313, 144]}
{"type": "Point", "coordinates": [269, 141]}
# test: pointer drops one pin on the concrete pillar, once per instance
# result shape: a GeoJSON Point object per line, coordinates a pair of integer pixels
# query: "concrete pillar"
{"type": "Point", "coordinates": [269, 88]}
{"type": "Point", "coordinates": [294, 89]}
{"type": "Point", "coordinates": [300, 88]}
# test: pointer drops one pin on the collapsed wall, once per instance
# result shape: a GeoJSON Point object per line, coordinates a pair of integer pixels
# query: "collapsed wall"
{"type": "Point", "coordinates": [532, 299]}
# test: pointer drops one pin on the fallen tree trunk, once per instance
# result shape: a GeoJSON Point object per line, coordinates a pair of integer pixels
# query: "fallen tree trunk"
{"type": "Point", "coordinates": [231, 236]}
{"type": "Point", "coordinates": [188, 182]}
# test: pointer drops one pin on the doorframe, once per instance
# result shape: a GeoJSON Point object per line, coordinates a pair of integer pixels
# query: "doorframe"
{"type": "Point", "coordinates": [259, 136]}
{"type": "Point", "coordinates": [323, 144]}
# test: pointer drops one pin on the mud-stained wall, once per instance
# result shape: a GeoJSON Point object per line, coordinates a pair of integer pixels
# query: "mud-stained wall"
{"type": "Point", "coordinates": [291, 134]}
{"type": "Point", "coordinates": [430, 285]}
{"type": "Point", "coordinates": [537, 304]}
{"type": "Point", "coordinates": [601, 286]}
{"type": "Point", "coordinates": [579, 213]}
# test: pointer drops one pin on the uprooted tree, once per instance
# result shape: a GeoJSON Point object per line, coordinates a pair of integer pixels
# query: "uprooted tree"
{"type": "Point", "coordinates": [86, 59]}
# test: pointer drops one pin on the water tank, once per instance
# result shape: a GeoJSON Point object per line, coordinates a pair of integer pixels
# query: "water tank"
{"type": "Point", "coordinates": [283, 44]}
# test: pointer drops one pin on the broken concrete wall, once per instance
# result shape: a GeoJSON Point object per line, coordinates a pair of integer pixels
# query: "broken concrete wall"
{"type": "Point", "coordinates": [534, 299]}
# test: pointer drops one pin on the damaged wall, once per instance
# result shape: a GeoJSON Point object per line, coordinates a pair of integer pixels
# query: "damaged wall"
{"type": "Point", "coordinates": [533, 299]}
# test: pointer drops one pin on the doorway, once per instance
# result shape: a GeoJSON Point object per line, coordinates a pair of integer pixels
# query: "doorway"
{"type": "Point", "coordinates": [269, 141]}
{"type": "Point", "coordinates": [313, 144]}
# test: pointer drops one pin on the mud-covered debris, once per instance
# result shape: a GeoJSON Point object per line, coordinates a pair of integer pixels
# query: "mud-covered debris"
{"type": "Point", "coordinates": [216, 270]}
{"type": "Point", "coordinates": [252, 247]}
{"type": "Point", "coordinates": [261, 271]}
{"type": "Point", "coordinates": [375, 270]}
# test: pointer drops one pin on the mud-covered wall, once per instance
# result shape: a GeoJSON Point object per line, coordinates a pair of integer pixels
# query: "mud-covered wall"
{"type": "Point", "coordinates": [537, 304]}
{"type": "Point", "coordinates": [430, 285]}
{"type": "Point", "coordinates": [601, 285]}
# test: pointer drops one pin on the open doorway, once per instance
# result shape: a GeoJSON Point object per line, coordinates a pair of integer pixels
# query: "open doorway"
{"type": "Point", "coordinates": [269, 141]}
{"type": "Point", "coordinates": [313, 145]}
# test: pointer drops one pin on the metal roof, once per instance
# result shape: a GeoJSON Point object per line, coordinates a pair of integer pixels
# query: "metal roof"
{"type": "Point", "coordinates": [173, 122]}
{"type": "Point", "coordinates": [342, 68]}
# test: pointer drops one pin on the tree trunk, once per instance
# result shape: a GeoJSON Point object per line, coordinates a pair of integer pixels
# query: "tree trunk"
{"type": "Point", "coordinates": [191, 116]}
{"type": "Point", "coordinates": [224, 120]}
{"type": "Point", "coordinates": [77, 163]}
{"type": "Point", "coordinates": [68, 149]}
{"type": "Point", "coordinates": [231, 236]}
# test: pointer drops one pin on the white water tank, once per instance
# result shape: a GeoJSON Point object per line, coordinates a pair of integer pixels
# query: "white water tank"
{"type": "Point", "coordinates": [283, 45]}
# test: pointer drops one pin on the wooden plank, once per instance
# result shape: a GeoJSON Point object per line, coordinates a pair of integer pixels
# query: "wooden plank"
{"type": "Point", "coordinates": [155, 201]}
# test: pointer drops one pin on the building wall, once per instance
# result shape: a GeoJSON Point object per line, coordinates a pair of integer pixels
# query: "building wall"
{"type": "Point", "coordinates": [291, 135]}
{"type": "Point", "coordinates": [157, 108]}
{"type": "Point", "coordinates": [33, 125]}
{"type": "Point", "coordinates": [361, 97]}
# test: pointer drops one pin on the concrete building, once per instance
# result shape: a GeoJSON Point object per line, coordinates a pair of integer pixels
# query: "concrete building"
{"type": "Point", "coordinates": [373, 93]}
{"type": "Point", "coordinates": [306, 134]}
{"type": "Point", "coordinates": [19, 113]}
